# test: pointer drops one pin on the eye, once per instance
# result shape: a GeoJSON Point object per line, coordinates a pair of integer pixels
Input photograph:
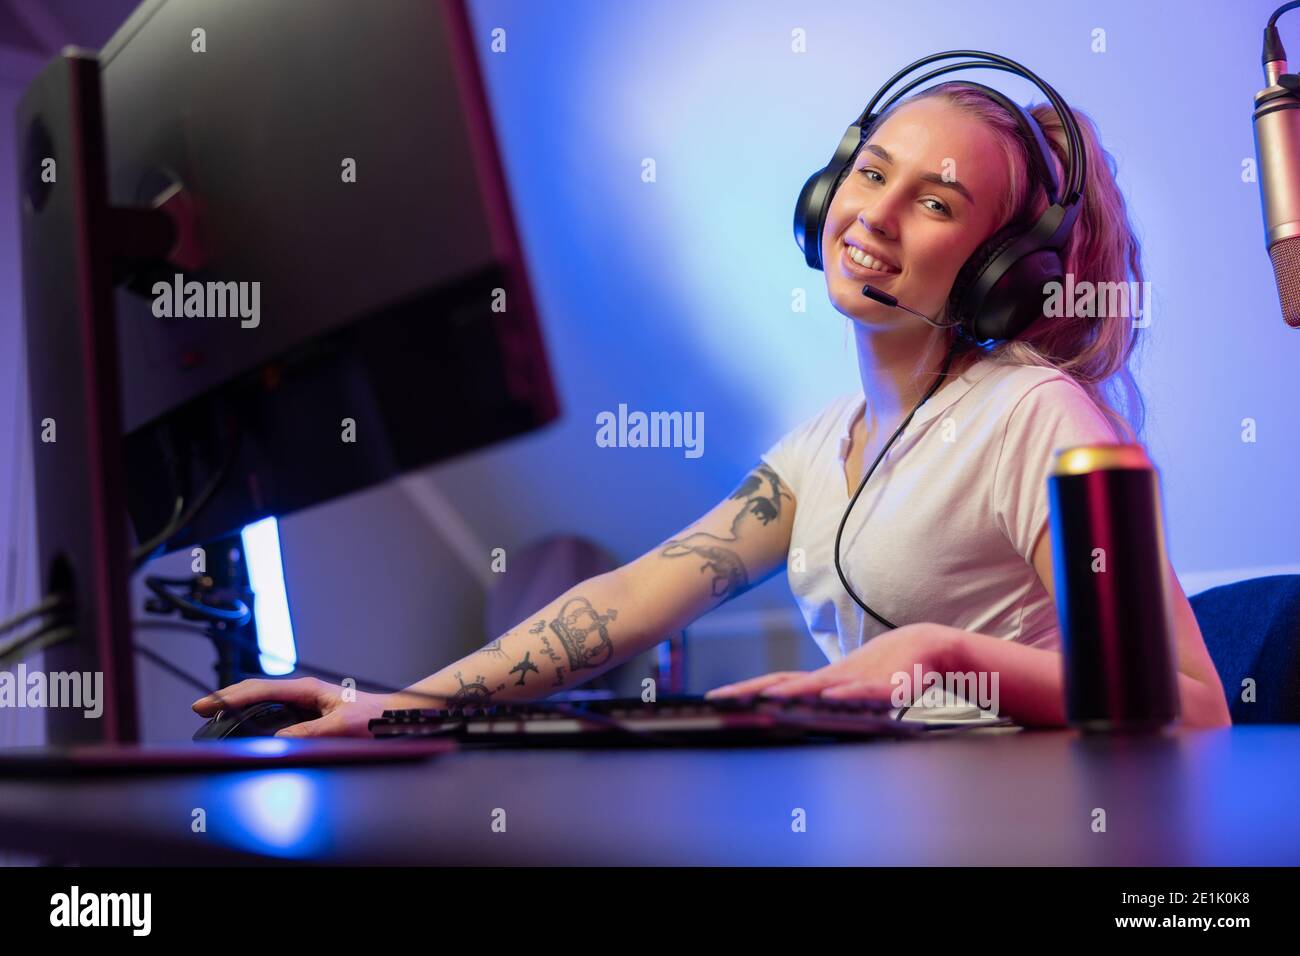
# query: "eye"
{"type": "Point", "coordinates": [873, 175]}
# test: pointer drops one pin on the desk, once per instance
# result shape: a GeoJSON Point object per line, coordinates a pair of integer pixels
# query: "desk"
{"type": "Point", "coordinates": [1205, 798]}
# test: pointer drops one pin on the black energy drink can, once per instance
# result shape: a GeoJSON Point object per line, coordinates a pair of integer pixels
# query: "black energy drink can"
{"type": "Point", "coordinates": [1112, 593]}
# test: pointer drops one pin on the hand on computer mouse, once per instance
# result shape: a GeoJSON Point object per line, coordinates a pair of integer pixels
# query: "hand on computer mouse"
{"type": "Point", "coordinates": [339, 717]}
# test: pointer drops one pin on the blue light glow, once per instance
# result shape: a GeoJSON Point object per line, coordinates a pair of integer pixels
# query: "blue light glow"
{"type": "Point", "coordinates": [279, 813]}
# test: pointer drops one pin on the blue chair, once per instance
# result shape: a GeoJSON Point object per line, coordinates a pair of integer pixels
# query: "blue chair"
{"type": "Point", "coordinates": [1252, 629]}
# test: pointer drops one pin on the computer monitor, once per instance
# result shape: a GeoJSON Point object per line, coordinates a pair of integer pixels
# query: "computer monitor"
{"type": "Point", "coordinates": [278, 264]}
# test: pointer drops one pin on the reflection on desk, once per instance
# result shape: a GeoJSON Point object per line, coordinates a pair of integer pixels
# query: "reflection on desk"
{"type": "Point", "coordinates": [1206, 798]}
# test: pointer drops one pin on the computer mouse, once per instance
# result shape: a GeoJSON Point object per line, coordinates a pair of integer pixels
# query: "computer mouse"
{"type": "Point", "coordinates": [262, 719]}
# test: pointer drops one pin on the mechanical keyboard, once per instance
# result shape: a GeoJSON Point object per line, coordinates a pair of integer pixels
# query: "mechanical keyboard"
{"type": "Point", "coordinates": [669, 721]}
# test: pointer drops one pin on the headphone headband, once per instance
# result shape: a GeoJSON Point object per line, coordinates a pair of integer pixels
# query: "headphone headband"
{"type": "Point", "coordinates": [1074, 138]}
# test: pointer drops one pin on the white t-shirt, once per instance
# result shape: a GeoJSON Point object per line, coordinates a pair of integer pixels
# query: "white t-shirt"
{"type": "Point", "coordinates": [945, 528]}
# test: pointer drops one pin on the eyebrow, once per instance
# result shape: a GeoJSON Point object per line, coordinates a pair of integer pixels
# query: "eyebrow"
{"type": "Point", "coordinates": [928, 177]}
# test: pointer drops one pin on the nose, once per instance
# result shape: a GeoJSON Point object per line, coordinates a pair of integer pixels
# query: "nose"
{"type": "Point", "coordinates": [879, 212]}
{"type": "Point", "coordinates": [879, 221]}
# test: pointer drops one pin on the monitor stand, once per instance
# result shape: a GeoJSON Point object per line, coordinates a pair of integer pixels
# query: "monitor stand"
{"type": "Point", "coordinates": [71, 239]}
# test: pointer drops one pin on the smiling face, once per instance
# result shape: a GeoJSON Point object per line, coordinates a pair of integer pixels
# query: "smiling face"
{"type": "Point", "coordinates": [923, 192]}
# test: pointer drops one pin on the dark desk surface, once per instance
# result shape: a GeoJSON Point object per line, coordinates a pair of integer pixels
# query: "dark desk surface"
{"type": "Point", "coordinates": [1212, 798]}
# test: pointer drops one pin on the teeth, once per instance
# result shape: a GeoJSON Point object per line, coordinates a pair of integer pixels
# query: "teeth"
{"type": "Point", "coordinates": [869, 261]}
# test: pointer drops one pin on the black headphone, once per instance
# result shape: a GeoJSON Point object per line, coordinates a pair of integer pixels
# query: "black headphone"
{"type": "Point", "coordinates": [1000, 288]}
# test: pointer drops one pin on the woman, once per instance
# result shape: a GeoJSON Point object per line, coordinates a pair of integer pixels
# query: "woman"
{"type": "Point", "coordinates": [953, 525]}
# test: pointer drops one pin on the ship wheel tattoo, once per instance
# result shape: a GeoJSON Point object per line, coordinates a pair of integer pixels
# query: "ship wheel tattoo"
{"type": "Point", "coordinates": [474, 694]}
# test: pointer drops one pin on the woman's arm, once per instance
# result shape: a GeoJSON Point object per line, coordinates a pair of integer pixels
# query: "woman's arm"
{"type": "Point", "coordinates": [1030, 681]}
{"type": "Point", "coordinates": [1199, 689]}
{"type": "Point", "coordinates": [1030, 685]}
{"type": "Point", "coordinates": [590, 628]}
{"type": "Point", "coordinates": [609, 618]}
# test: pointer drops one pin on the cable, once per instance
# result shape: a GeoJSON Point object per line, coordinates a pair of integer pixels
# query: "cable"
{"type": "Point", "coordinates": [1272, 21]}
{"type": "Point", "coordinates": [23, 646]}
{"type": "Point", "coordinates": [178, 512]}
{"type": "Point", "coordinates": [865, 478]}
{"type": "Point", "coordinates": [148, 549]}
{"type": "Point", "coordinates": [52, 602]}
{"type": "Point", "coordinates": [838, 568]}
{"type": "Point", "coordinates": [237, 616]}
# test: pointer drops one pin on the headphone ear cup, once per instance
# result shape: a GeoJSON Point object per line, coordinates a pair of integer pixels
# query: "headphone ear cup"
{"type": "Point", "coordinates": [808, 217]}
{"type": "Point", "coordinates": [815, 198]}
{"type": "Point", "coordinates": [844, 174]}
{"type": "Point", "coordinates": [1016, 299]}
{"type": "Point", "coordinates": [960, 308]}
{"type": "Point", "coordinates": [812, 208]}
{"type": "Point", "coordinates": [999, 304]}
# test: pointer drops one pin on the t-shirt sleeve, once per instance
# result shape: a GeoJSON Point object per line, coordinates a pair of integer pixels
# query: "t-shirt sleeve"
{"type": "Point", "coordinates": [785, 459]}
{"type": "Point", "coordinates": [789, 456]}
{"type": "Point", "coordinates": [1053, 414]}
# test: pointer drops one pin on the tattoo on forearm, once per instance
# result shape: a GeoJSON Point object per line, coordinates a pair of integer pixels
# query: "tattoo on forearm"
{"type": "Point", "coordinates": [538, 627]}
{"type": "Point", "coordinates": [729, 575]}
{"type": "Point", "coordinates": [559, 677]}
{"type": "Point", "coordinates": [584, 633]}
{"type": "Point", "coordinates": [550, 651]}
{"type": "Point", "coordinates": [762, 494]}
{"type": "Point", "coordinates": [494, 647]}
{"type": "Point", "coordinates": [474, 694]}
{"type": "Point", "coordinates": [523, 667]}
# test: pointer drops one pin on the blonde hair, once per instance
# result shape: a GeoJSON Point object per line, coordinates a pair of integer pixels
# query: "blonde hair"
{"type": "Point", "coordinates": [1102, 248]}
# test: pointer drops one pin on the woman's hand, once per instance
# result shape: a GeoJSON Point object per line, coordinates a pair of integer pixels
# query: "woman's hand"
{"type": "Point", "coordinates": [339, 717]}
{"type": "Point", "coordinates": [866, 673]}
